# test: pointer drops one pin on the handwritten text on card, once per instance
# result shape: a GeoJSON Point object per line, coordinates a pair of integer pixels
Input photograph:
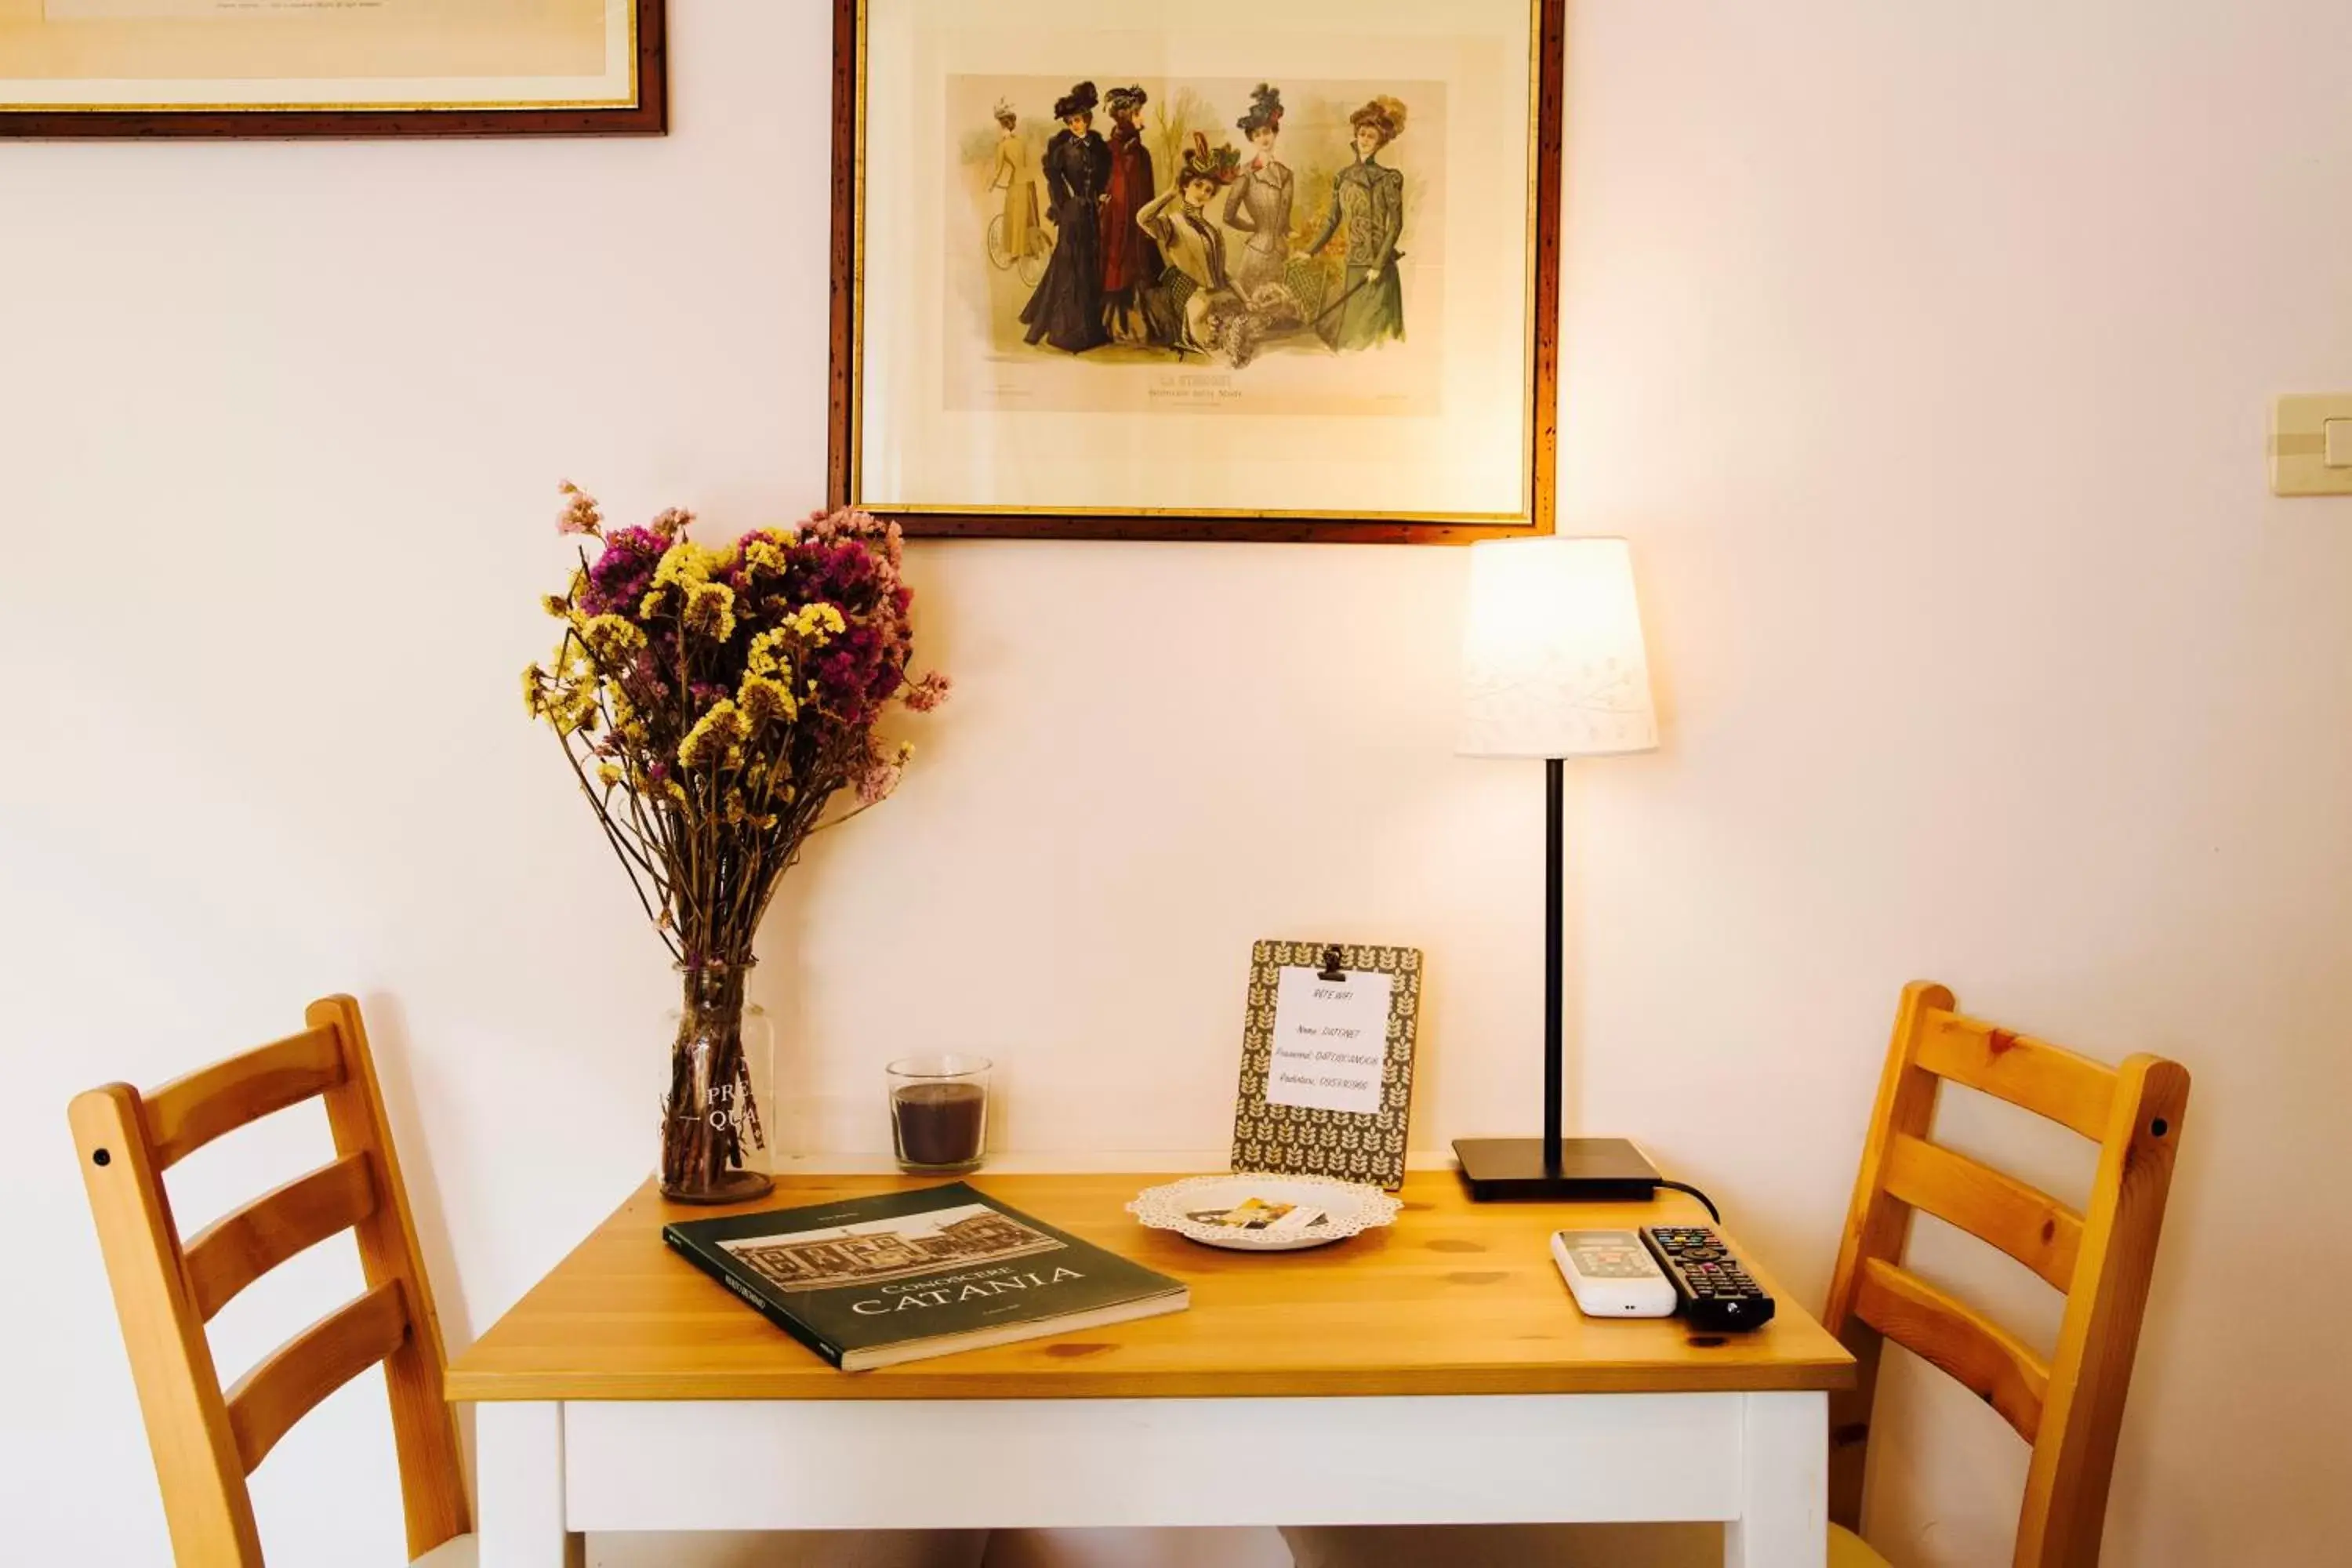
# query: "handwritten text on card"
{"type": "Point", "coordinates": [1330, 1041]}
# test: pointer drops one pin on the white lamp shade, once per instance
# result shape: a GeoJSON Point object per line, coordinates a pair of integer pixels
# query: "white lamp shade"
{"type": "Point", "coordinates": [1552, 659]}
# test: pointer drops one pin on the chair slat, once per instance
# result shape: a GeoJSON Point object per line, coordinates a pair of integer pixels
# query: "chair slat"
{"type": "Point", "coordinates": [187, 1114]}
{"type": "Point", "coordinates": [1983, 1357]}
{"type": "Point", "coordinates": [2024, 1222]}
{"type": "Point", "coordinates": [293, 1379]}
{"type": "Point", "coordinates": [241, 1247]}
{"type": "Point", "coordinates": [2048, 1080]}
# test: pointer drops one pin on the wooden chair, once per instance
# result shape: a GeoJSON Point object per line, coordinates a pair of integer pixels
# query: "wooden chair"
{"type": "Point", "coordinates": [207, 1441]}
{"type": "Point", "coordinates": [2070, 1407]}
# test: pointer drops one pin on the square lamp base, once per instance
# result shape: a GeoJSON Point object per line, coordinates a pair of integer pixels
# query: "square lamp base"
{"type": "Point", "coordinates": [1589, 1169]}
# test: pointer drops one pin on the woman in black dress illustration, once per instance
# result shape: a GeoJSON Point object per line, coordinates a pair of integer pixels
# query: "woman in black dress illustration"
{"type": "Point", "coordinates": [1066, 311]}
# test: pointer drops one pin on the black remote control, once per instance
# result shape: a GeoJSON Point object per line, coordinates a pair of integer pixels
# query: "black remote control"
{"type": "Point", "coordinates": [1712, 1285]}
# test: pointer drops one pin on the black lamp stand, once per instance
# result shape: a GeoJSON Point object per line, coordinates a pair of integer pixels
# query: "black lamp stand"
{"type": "Point", "coordinates": [1598, 1169]}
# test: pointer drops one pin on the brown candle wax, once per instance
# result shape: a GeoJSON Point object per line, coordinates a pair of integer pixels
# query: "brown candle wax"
{"type": "Point", "coordinates": [939, 1124]}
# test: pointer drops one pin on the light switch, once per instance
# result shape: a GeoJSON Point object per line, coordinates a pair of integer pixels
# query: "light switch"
{"type": "Point", "coordinates": [2311, 445]}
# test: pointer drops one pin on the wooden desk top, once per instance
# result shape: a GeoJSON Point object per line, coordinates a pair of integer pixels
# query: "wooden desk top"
{"type": "Point", "coordinates": [1455, 1298]}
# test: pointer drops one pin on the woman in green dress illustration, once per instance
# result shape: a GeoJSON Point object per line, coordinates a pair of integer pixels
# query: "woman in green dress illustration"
{"type": "Point", "coordinates": [1367, 196]}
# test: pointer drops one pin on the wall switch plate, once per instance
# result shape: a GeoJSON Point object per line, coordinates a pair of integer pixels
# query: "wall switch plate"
{"type": "Point", "coordinates": [2311, 445]}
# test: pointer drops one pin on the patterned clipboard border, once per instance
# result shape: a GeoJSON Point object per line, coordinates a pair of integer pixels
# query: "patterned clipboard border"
{"type": "Point", "coordinates": [1297, 1139]}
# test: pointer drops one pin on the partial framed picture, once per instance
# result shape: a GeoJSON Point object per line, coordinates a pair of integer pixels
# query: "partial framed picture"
{"type": "Point", "coordinates": [1158, 273]}
{"type": "Point", "coordinates": [273, 69]}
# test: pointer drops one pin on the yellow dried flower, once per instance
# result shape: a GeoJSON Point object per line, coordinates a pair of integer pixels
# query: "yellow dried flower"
{"type": "Point", "coordinates": [534, 691]}
{"type": "Point", "coordinates": [614, 641]}
{"type": "Point", "coordinates": [655, 603]}
{"type": "Point", "coordinates": [734, 812]}
{"type": "Point", "coordinates": [684, 564]}
{"type": "Point", "coordinates": [764, 656]}
{"type": "Point", "coordinates": [710, 610]}
{"type": "Point", "coordinates": [576, 710]}
{"type": "Point", "coordinates": [818, 621]}
{"type": "Point", "coordinates": [676, 791]}
{"type": "Point", "coordinates": [761, 556]}
{"type": "Point", "coordinates": [764, 700]}
{"type": "Point", "coordinates": [608, 775]}
{"type": "Point", "coordinates": [716, 738]}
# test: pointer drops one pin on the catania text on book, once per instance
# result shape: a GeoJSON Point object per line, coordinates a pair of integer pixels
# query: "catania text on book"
{"type": "Point", "coordinates": [959, 1288]}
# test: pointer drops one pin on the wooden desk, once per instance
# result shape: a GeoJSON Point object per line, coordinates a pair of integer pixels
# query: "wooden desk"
{"type": "Point", "coordinates": [1437, 1371]}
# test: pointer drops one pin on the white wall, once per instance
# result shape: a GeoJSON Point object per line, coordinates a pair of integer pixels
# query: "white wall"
{"type": "Point", "coordinates": [1923, 350]}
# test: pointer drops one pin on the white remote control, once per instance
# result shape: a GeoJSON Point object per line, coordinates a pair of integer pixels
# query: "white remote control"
{"type": "Point", "coordinates": [1613, 1275]}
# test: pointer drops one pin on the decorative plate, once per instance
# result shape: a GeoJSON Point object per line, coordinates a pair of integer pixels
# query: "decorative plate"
{"type": "Point", "coordinates": [1253, 1213]}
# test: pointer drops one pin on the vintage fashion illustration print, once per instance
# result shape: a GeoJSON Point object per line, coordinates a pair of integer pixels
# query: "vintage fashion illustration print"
{"type": "Point", "coordinates": [1133, 272]}
{"type": "Point", "coordinates": [1231, 246]}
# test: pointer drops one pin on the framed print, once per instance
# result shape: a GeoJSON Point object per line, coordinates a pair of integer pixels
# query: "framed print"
{"type": "Point", "coordinates": [1327, 1061]}
{"type": "Point", "coordinates": [275, 69]}
{"type": "Point", "coordinates": [1144, 272]}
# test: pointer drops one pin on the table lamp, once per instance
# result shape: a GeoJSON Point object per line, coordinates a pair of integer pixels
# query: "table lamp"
{"type": "Point", "coordinates": [1553, 667]}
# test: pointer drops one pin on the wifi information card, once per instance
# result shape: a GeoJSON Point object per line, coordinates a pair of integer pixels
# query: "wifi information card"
{"type": "Point", "coordinates": [1327, 1061]}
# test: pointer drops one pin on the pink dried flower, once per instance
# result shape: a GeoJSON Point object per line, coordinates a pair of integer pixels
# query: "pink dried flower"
{"type": "Point", "coordinates": [928, 693]}
{"type": "Point", "coordinates": [580, 514]}
{"type": "Point", "coordinates": [879, 774]}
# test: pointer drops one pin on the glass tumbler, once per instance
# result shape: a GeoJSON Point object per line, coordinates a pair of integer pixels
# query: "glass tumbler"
{"type": "Point", "coordinates": [939, 1112]}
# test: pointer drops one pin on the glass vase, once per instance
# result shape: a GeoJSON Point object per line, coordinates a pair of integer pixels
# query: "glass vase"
{"type": "Point", "coordinates": [716, 1126]}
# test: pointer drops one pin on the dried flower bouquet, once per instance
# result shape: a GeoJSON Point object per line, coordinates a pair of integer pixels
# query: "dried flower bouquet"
{"type": "Point", "coordinates": [713, 703]}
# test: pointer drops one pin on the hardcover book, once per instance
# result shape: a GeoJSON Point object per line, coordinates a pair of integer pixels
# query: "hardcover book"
{"type": "Point", "coordinates": [873, 1281]}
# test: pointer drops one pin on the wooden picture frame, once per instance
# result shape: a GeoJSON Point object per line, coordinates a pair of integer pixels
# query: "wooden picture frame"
{"type": "Point", "coordinates": [1536, 470]}
{"type": "Point", "coordinates": [1304, 1139]}
{"type": "Point", "coordinates": [642, 109]}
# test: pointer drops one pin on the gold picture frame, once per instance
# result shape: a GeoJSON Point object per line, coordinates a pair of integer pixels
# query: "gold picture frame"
{"type": "Point", "coordinates": [1309, 1140]}
{"type": "Point", "coordinates": [966, 456]}
{"type": "Point", "coordinates": [313, 68]}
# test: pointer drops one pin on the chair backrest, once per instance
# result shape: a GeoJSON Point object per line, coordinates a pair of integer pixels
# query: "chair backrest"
{"type": "Point", "coordinates": [207, 1440]}
{"type": "Point", "coordinates": [2070, 1407]}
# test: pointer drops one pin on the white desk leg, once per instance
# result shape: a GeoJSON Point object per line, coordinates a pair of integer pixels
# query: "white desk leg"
{"type": "Point", "coordinates": [1784, 1483]}
{"type": "Point", "coordinates": [519, 1460]}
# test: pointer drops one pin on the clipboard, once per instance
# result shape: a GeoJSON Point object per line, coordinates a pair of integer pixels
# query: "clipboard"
{"type": "Point", "coordinates": [1327, 1061]}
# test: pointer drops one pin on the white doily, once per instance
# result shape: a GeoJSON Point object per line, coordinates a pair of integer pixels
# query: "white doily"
{"type": "Point", "coordinates": [1347, 1209]}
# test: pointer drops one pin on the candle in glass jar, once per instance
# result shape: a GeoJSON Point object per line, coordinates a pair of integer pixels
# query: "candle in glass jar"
{"type": "Point", "coordinates": [938, 1112]}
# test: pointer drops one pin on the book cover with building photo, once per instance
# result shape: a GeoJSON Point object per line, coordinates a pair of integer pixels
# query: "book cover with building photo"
{"type": "Point", "coordinates": [873, 1281]}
